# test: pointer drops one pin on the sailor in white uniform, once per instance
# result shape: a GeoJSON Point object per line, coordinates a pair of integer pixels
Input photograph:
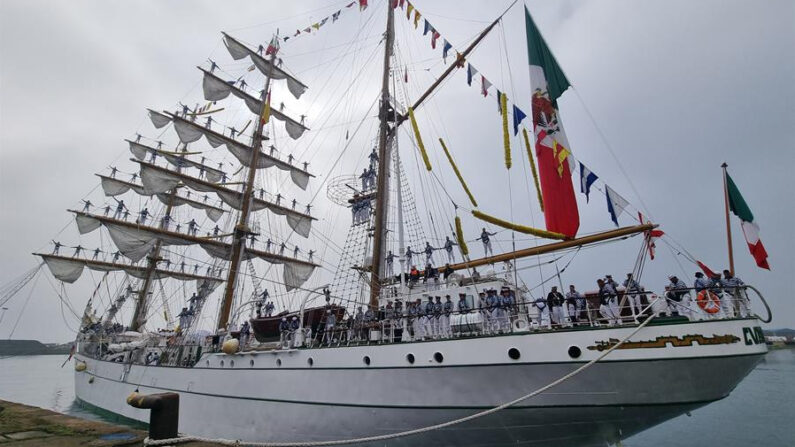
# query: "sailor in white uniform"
{"type": "Point", "coordinates": [428, 320]}
{"type": "Point", "coordinates": [448, 248]}
{"type": "Point", "coordinates": [735, 292]}
{"type": "Point", "coordinates": [608, 303]}
{"type": "Point", "coordinates": [444, 321]}
{"type": "Point", "coordinates": [633, 292]}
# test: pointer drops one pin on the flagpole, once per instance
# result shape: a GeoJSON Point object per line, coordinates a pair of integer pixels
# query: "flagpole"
{"type": "Point", "coordinates": [728, 221]}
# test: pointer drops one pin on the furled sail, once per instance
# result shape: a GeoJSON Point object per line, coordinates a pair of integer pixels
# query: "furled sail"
{"type": "Point", "coordinates": [216, 89]}
{"type": "Point", "coordinates": [114, 187]}
{"type": "Point", "coordinates": [213, 212]}
{"type": "Point", "coordinates": [189, 132]}
{"type": "Point", "coordinates": [134, 241]}
{"type": "Point", "coordinates": [160, 180]}
{"type": "Point", "coordinates": [239, 51]}
{"type": "Point", "coordinates": [140, 150]}
{"type": "Point", "coordinates": [68, 269]}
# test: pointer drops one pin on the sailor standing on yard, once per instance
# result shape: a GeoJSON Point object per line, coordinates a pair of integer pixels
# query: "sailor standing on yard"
{"type": "Point", "coordinates": [448, 247]}
{"type": "Point", "coordinates": [733, 286]}
{"type": "Point", "coordinates": [390, 267]}
{"type": "Point", "coordinates": [484, 237]}
{"type": "Point", "coordinates": [428, 253]}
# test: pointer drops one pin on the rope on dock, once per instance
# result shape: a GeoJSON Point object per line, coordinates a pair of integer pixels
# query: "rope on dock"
{"type": "Point", "coordinates": [238, 443]}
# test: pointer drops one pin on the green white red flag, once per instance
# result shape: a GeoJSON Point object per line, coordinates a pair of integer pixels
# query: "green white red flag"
{"type": "Point", "coordinates": [750, 229]}
{"type": "Point", "coordinates": [555, 165]}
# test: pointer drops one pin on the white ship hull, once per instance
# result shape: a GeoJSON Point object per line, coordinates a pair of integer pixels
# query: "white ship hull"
{"type": "Point", "coordinates": [279, 396]}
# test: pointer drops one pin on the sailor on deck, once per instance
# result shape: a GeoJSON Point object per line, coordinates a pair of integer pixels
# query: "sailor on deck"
{"type": "Point", "coordinates": [633, 290]}
{"type": "Point", "coordinates": [245, 334]}
{"type": "Point", "coordinates": [555, 302]}
{"type": "Point", "coordinates": [575, 303]}
{"type": "Point", "coordinates": [733, 286]}
{"type": "Point", "coordinates": [678, 297]}
{"type": "Point", "coordinates": [540, 313]}
{"type": "Point", "coordinates": [701, 282]}
{"type": "Point", "coordinates": [444, 321]}
{"type": "Point", "coordinates": [507, 304]}
{"type": "Point", "coordinates": [295, 326]}
{"type": "Point", "coordinates": [328, 333]}
{"type": "Point", "coordinates": [428, 320]}
{"type": "Point", "coordinates": [436, 322]}
{"type": "Point", "coordinates": [284, 332]}
{"type": "Point", "coordinates": [484, 237]}
{"type": "Point", "coordinates": [608, 303]}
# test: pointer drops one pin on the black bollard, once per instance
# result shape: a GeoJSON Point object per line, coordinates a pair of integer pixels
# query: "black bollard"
{"type": "Point", "coordinates": [164, 417]}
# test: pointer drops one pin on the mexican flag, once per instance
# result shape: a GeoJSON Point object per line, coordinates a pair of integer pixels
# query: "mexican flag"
{"type": "Point", "coordinates": [750, 229]}
{"type": "Point", "coordinates": [548, 82]}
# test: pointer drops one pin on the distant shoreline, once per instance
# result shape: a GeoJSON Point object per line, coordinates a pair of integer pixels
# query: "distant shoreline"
{"type": "Point", "coordinates": [32, 347]}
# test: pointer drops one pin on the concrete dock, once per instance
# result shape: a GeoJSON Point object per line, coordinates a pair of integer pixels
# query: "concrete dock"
{"type": "Point", "coordinates": [26, 426]}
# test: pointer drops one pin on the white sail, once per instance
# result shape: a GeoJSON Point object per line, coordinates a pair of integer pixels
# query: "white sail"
{"type": "Point", "coordinates": [213, 212]}
{"type": "Point", "coordinates": [216, 89]}
{"type": "Point", "coordinates": [70, 269]}
{"type": "Point", "coordinates": [114, 187]}
{"type": "Point", "coordinates": [135, 241]}
{"type": "Point", "coordinates": [140, 150]}
{"type": "Point", "coordinates": [158, 119]}
{"type": "Point", "coordinates": [189, 132]}
{"type": "Point", "coordinates": [159, 180]}
{"type": "Point", "coordinates": [239, 51]}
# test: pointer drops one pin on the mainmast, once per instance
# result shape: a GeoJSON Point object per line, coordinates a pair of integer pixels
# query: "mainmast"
{"type": "Point", "coordinates": [382, 186]}
{"type": "Point", "coordinates": [241, 229]}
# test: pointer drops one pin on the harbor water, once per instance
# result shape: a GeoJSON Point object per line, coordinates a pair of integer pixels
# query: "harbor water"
{"type": "Point", "coordinates": [759, 412]}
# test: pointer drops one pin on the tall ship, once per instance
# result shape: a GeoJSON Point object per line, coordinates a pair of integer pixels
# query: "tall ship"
{"type": "Point", "coordinates": [443, 323]}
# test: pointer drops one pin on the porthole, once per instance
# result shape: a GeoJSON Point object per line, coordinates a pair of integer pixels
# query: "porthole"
{"type": "Point", "coordinates": [310, 362]}
{"type": "Point", "coordinates": [278, 362]}
{"type": "Point", "coordinates": [366, 360]}
{"type": "Point", "coordinates": [514, 353]}
{"type": "Point", "coordinates": [438, 357]}
{"type": "Point", "coordinates": [575, 352]}
{"type": "Point", "coordinates": [222, 363]}
{"type": "Point", "coordinates": [410, 358]}
{"type": "Point", "coordinates": [251, 363]}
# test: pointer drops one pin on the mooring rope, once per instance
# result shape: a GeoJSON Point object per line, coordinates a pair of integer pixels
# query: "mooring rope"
{"type": "Point", "coordinates": [238, 443]}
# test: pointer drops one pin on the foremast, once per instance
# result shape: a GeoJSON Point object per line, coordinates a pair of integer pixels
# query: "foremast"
{"type": "Point", "coordinates": [241, 229]}
{"type": "Point", "coordinates": [382, 180]}
{"type": "Point", "coordinates": [139, 314]}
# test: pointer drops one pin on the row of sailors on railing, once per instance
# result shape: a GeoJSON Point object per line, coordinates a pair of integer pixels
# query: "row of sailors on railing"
{"type": "Point", "coordinates": [498, 313]}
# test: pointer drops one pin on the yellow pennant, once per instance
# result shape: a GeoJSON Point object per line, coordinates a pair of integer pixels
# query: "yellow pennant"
{"type": "Point", "coordinates": [409, 8]}
{"type": "Point", "coordinates": [506, 137]}
{"type": "Point", "coordinates": [266, 114]}
{"type": "Point", "coordinates": [533, 168]}
{"type": "Point", "coordinates": [417, 16]}
{"type": "Point", "coordinates": [459, 234]}
{"type": "Point", "coordinates": [458, 173]}
{"type": "Point", "coordinates": [516, 227]}
{"type": "Point", "coordinates": [419, 139]}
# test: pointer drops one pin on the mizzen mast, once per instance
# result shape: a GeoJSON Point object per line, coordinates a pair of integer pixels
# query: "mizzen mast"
{"type": "Point", "coordinates": [242, 229]}
{"type": "Point", "coordinates": [382, 181]}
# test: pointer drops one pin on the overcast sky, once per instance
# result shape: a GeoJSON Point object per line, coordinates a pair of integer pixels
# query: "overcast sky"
{"type": "Point", "coordinates": [663, 93]}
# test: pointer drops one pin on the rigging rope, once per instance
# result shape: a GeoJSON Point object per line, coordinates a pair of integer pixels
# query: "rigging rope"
{"type": "Point", "coordinates": [238, 443]}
